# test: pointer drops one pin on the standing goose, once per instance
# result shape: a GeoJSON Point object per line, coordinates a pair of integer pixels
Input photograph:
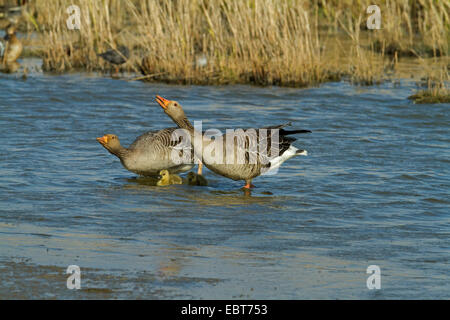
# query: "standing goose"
{"type": "Point", "coordinates": [149, 153]}
{"type": "Point", "coordinates": [116, 57]}
{"type": "Point", "coordinates": [12, 46]}
{"type": "Point", "coordinates": [255, 161]}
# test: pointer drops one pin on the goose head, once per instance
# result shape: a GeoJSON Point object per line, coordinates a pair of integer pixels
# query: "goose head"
{"type": "Point", "coordinates": [173, 109]}
{"type": "Point", "coordinates": [110, 142]}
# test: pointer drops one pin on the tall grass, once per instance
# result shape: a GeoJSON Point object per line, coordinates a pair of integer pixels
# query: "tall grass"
{"type": "Point", "coordinates": [281, 42]}
{"type": "Point", "coordinates": [264, 42]}
{"type": "Point", "coordinates": [435, 84]}
{"type": "Point", "coordinates": [102, 26]}
{"type": "Point", "coordinates": [408, 26]}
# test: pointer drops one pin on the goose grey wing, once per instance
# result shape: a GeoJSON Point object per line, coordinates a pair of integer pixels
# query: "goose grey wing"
{"type": "Point", "coordinates": [162, 144]}
{"type": "Point", "coordinates": [264, 143]}
{"type": "Point", "coordinates": [163, 138]}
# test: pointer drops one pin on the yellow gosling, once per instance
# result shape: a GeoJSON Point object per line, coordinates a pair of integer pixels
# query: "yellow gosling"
{"type": "Point", "coordinates": [168, 179]}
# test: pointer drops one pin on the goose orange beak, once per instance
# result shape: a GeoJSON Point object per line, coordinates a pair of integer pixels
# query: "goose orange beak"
{"type": "Point", "coordinates": [103, 140]}
{"type": "Point", "coordinates": [162, 102]}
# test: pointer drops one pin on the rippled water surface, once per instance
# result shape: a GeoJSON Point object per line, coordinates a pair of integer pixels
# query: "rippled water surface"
{"type": "Point", "coordinates": [374, 190]}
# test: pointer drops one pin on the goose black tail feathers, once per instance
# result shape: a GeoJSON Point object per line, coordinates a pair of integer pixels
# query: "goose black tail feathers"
{"type": "Point", "coordinates": [289, 132]}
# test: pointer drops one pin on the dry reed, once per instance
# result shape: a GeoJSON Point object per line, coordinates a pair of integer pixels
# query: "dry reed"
{"type": "Point", "coordinates": [267, 42]}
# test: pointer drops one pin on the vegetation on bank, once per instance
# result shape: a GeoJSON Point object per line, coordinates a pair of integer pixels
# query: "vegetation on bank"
{"type": "Point", "coordinates": [431, 96]}
{"type": "Point", "coordinates": [264, 42]}
{"type": "Point", "coordinates": [435, 90]}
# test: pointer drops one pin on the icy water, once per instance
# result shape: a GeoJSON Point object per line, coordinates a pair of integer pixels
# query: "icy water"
{"type": "Point", "coordinates": [374, 190]}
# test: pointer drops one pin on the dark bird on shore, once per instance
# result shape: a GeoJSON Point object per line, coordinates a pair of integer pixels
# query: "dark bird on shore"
{"type": "Point", "coordinates": [116, 56]}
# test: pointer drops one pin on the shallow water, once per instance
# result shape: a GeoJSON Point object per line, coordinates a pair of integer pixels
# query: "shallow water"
{"type": "Point", "coordinates": [374, 190]}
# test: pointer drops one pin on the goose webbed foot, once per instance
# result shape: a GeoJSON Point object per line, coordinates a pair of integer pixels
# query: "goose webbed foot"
{"type": "Point", "coordinates": [248, 185]}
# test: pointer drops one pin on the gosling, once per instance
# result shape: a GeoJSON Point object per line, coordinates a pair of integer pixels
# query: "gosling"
{"type": "Point", "coordinates": [167, 179]}
{"type": "Point", "coordinates": [196, 179]}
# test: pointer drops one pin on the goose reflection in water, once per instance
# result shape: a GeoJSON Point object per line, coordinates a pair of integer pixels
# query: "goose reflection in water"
{"type": "Point", "coordinates": [201, 195]}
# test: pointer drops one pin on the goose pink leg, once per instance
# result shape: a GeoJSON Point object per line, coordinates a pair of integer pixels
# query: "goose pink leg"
{"type": "Point", "coordinates": [249, 184]}
{"type": "Point", "coordinates": [200, 168]}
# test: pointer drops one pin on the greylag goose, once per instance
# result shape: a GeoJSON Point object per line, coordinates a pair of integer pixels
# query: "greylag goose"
{"type": "Point", "coordinates": [12, 46]}
{"type": "Point", "coordinates": [167, 179]}
{"type": "Point", "coordinates": [149, 153]}
{"type": "Point", "coordinates": [116, 57]}
{"type": "Point", "coordinates": [255, 161]}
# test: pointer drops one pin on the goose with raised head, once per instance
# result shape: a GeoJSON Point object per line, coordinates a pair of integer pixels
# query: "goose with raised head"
{"type": "Point", "coordinates": [150, 153]}
{"type": "Point", "coordinates": [240, 157]}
